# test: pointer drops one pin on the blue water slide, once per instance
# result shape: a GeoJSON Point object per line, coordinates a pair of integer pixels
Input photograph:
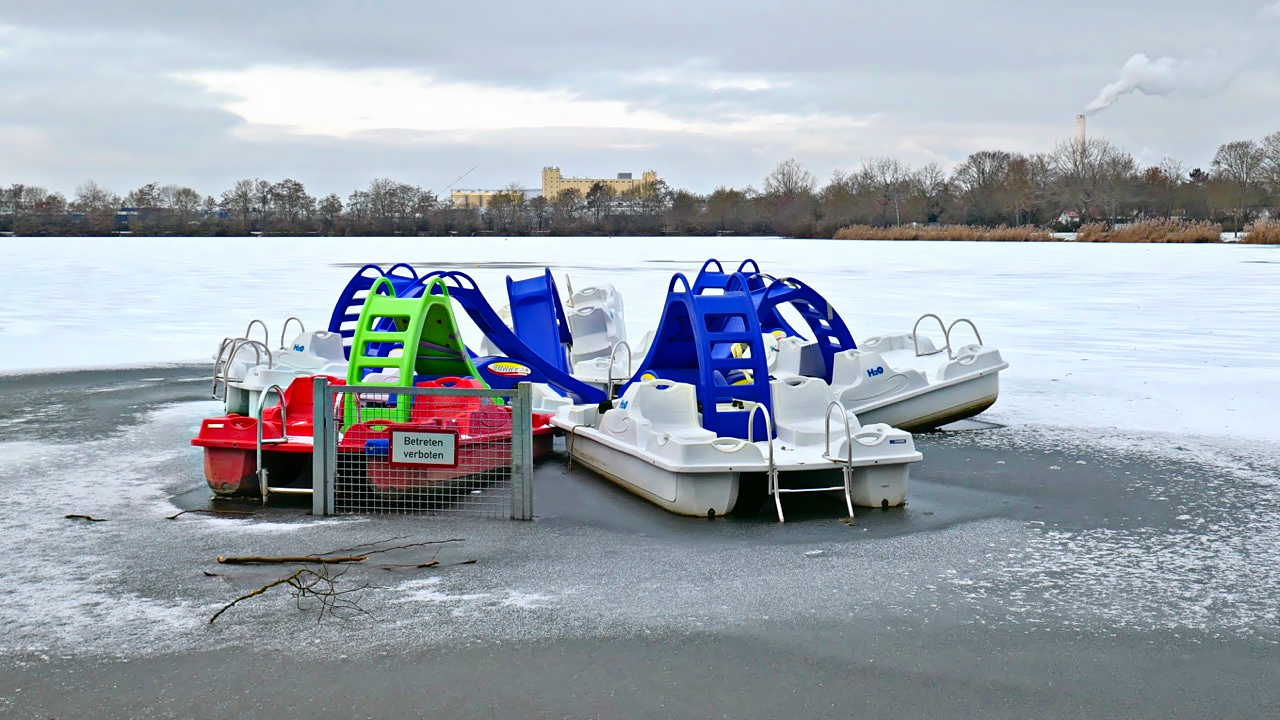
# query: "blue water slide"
{"type": "Point", "coordinates": [521, 361]}
{"type": "Point", "coordinates": [693, 344]}
{"type": "Point", "coordinates": [769, 293]}
{"type": "Point", "coordinates": [346, 312]}
{"type": "Point", "coordinates": [828, 328]}
{"type": "Point", "coordinates": [538, 319]}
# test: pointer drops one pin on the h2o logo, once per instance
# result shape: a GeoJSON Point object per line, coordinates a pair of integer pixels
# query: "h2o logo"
{"type": "Point", "coordinates": [875, 371]}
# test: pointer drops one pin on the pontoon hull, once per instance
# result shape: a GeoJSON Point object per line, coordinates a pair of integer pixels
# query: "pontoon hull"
{"type": "Point", "coordinates": [699, 493]}
{"type": "Point", "coordinates": [935, 406]}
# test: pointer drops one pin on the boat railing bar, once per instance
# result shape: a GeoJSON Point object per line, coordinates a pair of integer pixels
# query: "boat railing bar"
{"type": "Point", "coordinates": [266, 334]}
{"type": "Point", "coordinates": [284, 329]}
{"type": "Point", "coordinates": [630, 370]}
{"type": "Point", "coordinates": [774, 490]}
{"type": "Point", "coordinates": [954, 323]}
{"type": "Point", "coordinates": [222, 365]}
{"type": "Point", "coordinates": [915, 335]}
{"type": "Point", "coordinates": [264, 485]}
{"type": "Point", "coordinates": [846, 464]}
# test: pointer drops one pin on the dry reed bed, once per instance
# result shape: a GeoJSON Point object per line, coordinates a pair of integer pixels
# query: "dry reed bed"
{"type": "Point", "coordinates": [1002, 233]}
{"type": "Point", "coordinates": [1152, 231]}
{"type": "Point", "coordinates": [1262, 232]}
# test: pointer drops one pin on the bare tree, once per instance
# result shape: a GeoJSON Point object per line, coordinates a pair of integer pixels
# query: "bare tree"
{"type": "Point", "coordinates": [980, 182]}
{"type": "Point", "coordinates": [930, 184]}
{"type": "Point", "coordinates": [97, 204]}
{"type": "Point", "coordinates": [1239, 167]}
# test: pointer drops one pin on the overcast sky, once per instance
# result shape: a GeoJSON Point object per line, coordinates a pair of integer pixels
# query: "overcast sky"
{"type": "Point", "coordinates": [706, 93]}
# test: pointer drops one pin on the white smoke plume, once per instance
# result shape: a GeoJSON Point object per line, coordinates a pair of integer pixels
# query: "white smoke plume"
{"type": "Point", "coordinates": [1201, 76]}
{"type": "Point", "coordinates": [1194, 77]}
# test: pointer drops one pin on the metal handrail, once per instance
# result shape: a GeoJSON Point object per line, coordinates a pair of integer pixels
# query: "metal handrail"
{"type": "Point", "coordinates": [261, 471]}
{"type": "Point", "coordinates": [266, 334]}
{"type": "Point", "coordinates": [956, 322]}
{"type": "Point", "coordinates": [236, 345]}
{"type": "Point", "coordinates": [773, 468]}
{"type": "Point", "coordinates": [847, 463]}
{"type": "Point", "coordinates": [915, 335]}
{"type": "Point", "coordinates": [284, 329]}
{"type": "Point", "coordinates": [630, 370]}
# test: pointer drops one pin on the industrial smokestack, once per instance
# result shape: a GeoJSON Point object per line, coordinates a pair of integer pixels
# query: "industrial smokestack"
{"type": "Point", "coordinates": [1080, 120]}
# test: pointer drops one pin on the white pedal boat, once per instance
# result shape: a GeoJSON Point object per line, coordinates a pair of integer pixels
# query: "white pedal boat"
{"type": "Point", "coordinates": [652, 443]}
{"type": "Point", "coordinates": [600, 354]}
{"type": "Point", "coordinates": [903, 380]}
{"type": "Point", "coordinates": [245, 367]}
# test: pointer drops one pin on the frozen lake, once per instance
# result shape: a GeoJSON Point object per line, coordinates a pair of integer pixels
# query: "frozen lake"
{"type": "Point", "coordinates": [1148, 338]}
{"type": "Point", "coordinates": [1114, 551]}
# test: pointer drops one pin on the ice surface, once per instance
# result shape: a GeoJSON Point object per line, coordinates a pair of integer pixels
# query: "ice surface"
{"type": "Point", "coordinates": [1177, 338]}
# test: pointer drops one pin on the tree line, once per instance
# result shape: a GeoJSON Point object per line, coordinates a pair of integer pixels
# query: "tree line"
{"type": "Point", "coordinates": [1077, 181]}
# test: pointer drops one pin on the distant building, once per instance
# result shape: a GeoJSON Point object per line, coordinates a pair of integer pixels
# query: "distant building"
{"type": "Point", "coordinates": [483, 198]}
{"type": "Point", "coordinates": [553, 183]}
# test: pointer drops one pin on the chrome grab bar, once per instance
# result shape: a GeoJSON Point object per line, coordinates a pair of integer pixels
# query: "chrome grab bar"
{"type": "Point", "coordinates": [612, 353]}
{"type": "Point", "coordinates": [956, 322]}
{"type": "Point", "coordinates": [915, 335]}
{"type": "Point", "coordinates": [284, 329]}
{"type": "Point", "coordinates": [266, 335]}
{"type": "Point", "coordinates": [847, 463]}
{"type": "Point", "coordinates": [773, 468]}
{"type": "Point", "coordinates": [261, 471]}
{"type": "Point", "coordinates": [236, 345]}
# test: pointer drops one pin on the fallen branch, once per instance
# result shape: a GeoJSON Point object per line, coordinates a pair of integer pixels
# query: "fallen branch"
{"type": "Point", "coordinates": [324, 559]}
{"type": "Point", "coordinates": [210, 512]}
{"type": "Point", "coordinates": [285, 560]}
{"type": "Point", "coordinates": [90, 518]}
{"type": "Point", "coordinates": [307, 583]}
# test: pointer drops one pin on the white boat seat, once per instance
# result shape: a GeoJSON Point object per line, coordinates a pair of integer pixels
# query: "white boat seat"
{"type": "Point", "coordinates": [800, 408]}
{"type": "Point", "coordinates": [860, 375]}
{"type": "Point", "coordinates": [797, 357]}
{"type": "Point", "coordinates": [669, 408]}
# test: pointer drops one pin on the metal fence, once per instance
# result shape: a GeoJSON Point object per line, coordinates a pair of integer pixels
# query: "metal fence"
{"type": "Point", "coordinates": [435, 450]}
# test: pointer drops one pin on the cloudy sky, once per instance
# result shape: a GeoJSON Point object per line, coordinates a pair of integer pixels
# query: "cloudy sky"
{"type": "Point", "coordinates": [706, 93]}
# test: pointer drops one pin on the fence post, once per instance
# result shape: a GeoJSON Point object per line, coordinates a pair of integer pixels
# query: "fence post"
{"type": "Point", "coordinates": [321, 436]}
{"type": "Point", "coordinates": [522, 453]}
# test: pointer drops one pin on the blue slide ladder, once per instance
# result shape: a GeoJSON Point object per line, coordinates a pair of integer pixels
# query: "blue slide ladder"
{"type": "Point", "coordinates": [463, 289]}
{"type": "Point", "coordinates": [768, 293]}
{"type": "Point", "coordinates": [346, 311]}
{"type": "Point", "coordinates": [693, 345]}
{"type": "Point", "coordinates": [538, 319]}
{"type": "Point", "coordinates": [828, 328]}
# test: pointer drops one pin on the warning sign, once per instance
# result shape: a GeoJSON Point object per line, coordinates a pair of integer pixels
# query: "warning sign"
{"type": "Point", "coordinates": [438, 448]}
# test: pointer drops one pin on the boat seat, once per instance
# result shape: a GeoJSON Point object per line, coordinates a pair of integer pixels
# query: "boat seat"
{"type": "Point", "coordinates": [860, 375]}
{"type": "Point", "coordinates": [667, 409]}
{"type": "Point", "coordinates": [795, 356]}
{"type": "Point", "coordinates": [800, 409]}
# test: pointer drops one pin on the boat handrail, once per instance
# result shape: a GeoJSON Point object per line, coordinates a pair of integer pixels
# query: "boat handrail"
{"type": "Point", "coordinates": [284, 329]}
{"type": "Point", "coordinates": [236, 345]}
{"type": "Point", "coordinates": [846, 464]}
{"type": "Point", "coordinates": [266, 334]}
{"type": "Point", "coordinates": [773, 467]}
{"type": "Point", "coordinates": [954, 323]}
{"type": "Point", "coordinates": [260, 441]}
{"type": "Point", "coordinates": [630, 370]}
{"type": "Point", "coordinates": [915, 335]}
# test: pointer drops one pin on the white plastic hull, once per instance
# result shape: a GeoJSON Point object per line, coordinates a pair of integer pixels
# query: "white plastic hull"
{"type": "Point", "coordinates": [683, 493]}
{"type": "Point", "coordinates": [699, 493]}
{"type": "Point", "coordinates": [934, 406]}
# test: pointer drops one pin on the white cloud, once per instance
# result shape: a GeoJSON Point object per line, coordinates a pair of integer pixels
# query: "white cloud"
{"type": "Point", "coordinates": [701, 74]}
{"type": "Point", "coordinates": [341, 103]}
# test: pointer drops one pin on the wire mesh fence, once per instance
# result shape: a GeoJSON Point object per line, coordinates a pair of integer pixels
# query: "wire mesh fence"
{"type": "Point", "coordinates": [437, 449]}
